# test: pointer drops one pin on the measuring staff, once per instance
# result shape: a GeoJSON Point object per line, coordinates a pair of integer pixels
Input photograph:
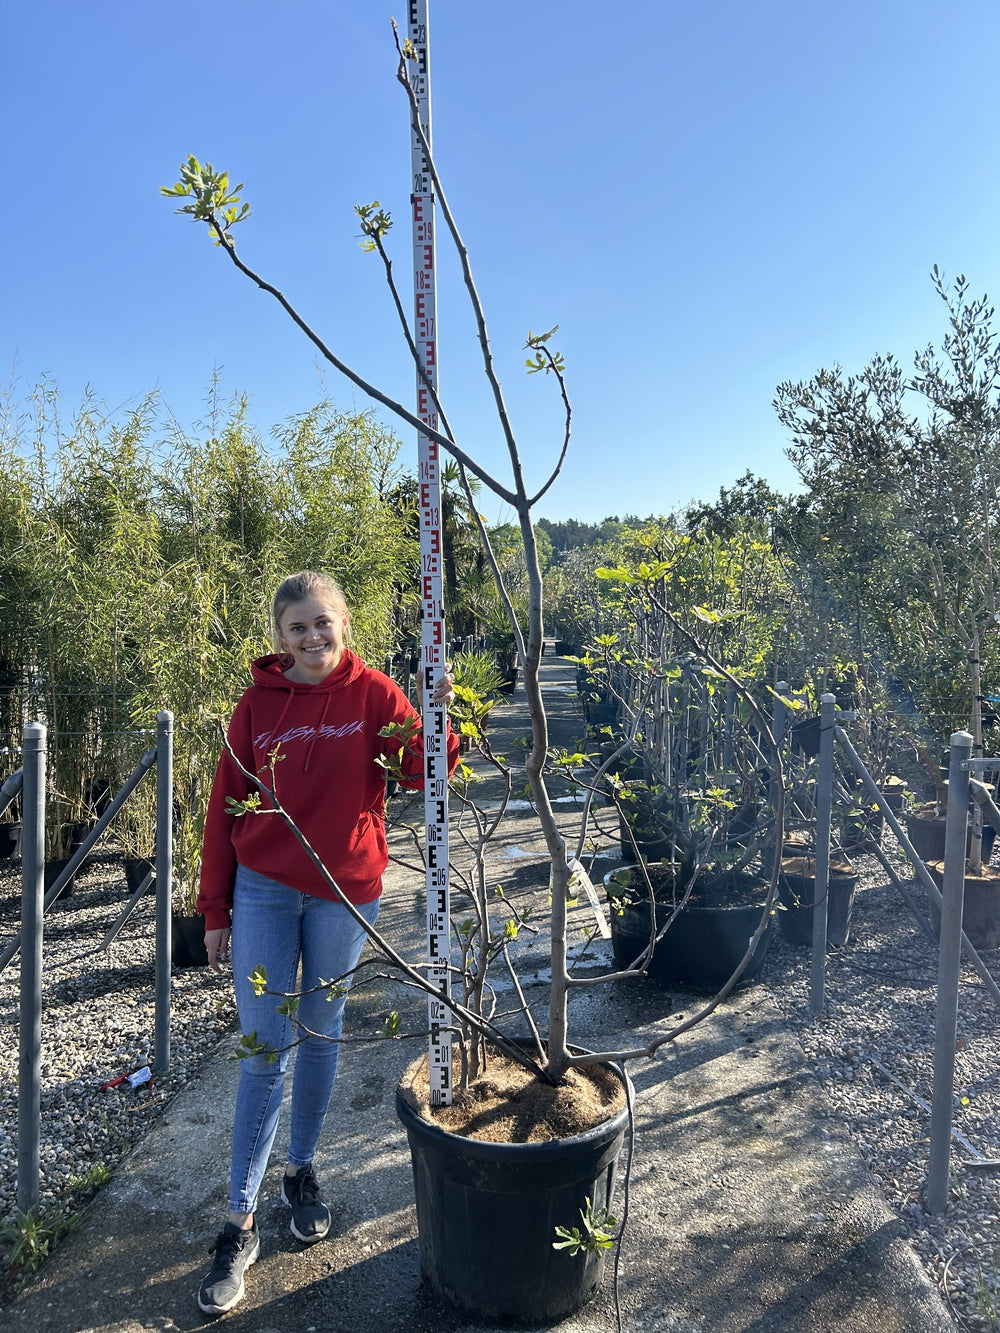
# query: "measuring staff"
{"type": "Point", "coordinates": [433, 640]}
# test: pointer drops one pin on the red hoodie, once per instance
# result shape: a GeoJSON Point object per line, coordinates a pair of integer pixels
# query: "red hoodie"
{"type": "Point", "coordinates": [327, 779]}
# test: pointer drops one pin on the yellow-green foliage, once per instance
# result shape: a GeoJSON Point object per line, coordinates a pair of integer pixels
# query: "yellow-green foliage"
{"type": "Point", "coordinates": [729, 591]}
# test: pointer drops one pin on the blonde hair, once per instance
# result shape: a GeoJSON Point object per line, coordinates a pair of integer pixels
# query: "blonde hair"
{"type": "Point", "coordinates": [296, 588]}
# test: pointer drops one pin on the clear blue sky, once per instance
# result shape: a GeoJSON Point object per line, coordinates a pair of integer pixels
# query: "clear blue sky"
{"type": "Point", "coordinates": [707, 198]}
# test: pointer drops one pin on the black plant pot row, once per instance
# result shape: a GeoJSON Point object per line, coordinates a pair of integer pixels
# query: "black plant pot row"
{"type": "Point", "coordinates": [702, 947]}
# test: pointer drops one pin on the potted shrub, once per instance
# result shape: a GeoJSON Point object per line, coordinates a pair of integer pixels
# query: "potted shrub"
{"type": "Point", "coordinates": [136, 830]}
{"type": "Point", "coordinates": [187, 928]}
{"type": "Point", "coordinates": [894, 789]}
{"type": "Point", "coordinates": [479, 685]}
{"type": "Point", "coordinates": [504, 653]}
{"type": "Point", "coordinates": [918, 552]}
{"type": "Point", "coordinates": [981, 898]}
{"type": "Point", "coordinates": [860, 823]}
{"type": "Point", "coordinates": [925, 827]}
{"type": "Point", "coordinates": [85, 545]}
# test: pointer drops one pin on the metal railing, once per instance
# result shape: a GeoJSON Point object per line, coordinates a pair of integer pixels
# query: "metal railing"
{"type": "Point", "coordinates": [30, 782]}
{"type": "Point", "coordinates": [952, 940]}
{"type": "Point", "coordinates": [961, 786]}
{"type": "Point", "coordinates": [11, 789]}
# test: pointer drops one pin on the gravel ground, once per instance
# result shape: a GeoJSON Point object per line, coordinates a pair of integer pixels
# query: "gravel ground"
{"type": "Point", "coordinates": [880, 1012]}
{"type": "Point", "coordinates": [98, 1024]}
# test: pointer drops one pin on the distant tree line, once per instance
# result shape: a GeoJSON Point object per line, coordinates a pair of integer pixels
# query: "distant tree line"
{"type": "Point", "coordinates": [887, 555]}
{"type": "Point", "coordinates": [136, 559]}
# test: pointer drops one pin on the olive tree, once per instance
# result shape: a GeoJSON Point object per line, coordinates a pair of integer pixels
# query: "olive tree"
{"type": "Point", "coordinates": [903, 472]}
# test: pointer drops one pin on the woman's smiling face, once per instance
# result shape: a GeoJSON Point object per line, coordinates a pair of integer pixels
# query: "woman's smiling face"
{"type": "Point", "coordinates": [312, 632]}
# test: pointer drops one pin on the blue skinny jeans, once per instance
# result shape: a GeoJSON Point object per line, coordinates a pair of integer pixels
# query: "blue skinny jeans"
{"type": "Point", "coordinates": [278, 927]}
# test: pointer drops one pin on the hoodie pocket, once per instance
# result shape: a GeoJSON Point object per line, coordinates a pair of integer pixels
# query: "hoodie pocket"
{"type": "Point", "coordinates": [362, 832]}
{"type": "Point", "coordinates": [368, 840]}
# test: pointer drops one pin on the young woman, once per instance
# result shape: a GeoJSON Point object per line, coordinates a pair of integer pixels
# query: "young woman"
{"type": "Point", "coordinates": [312, 717]}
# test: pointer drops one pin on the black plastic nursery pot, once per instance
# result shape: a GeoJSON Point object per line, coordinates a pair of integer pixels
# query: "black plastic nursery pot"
{"type": "Point", "coordinates": [136, 869]}
{"type": "Point", "coordinates": [53, 869]}
{"type": "Point", "coordinates": [602, 714]}
{"type": "Point", "coordinates": [10, 839]}
{"type": "Point", "coordinates": [805, 733]}
{"type": "Point", "coordinates": [705, 943]}
{"type": "Point", "coordinates": [509, 680]}
{"type": "Point", "coordinates": [894, 791]}
{"type": "Point", "coordinates": [187, 941]}
{"type": "Point", "coordinates": [487, 1215]}
{"type": "Point", "coordinates": [797, 893]}
{"type": "Point", "coordinates": [980, 906]}
{"type": "Point", "coordinates": [927, 832]}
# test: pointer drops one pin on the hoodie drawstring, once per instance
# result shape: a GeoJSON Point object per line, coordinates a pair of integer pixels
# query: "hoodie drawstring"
{"type": "Point", "coordinates": [276, 730]}
{"type": "Point", "coordinates": [322, 722]}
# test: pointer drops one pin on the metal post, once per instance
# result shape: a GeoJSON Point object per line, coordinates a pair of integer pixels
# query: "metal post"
{"type": "Point", "coordinates": [78, 857]}
{"type": "Point", "coordinates": [771, 854]}
{"type": "Point", "coordinates": [821, 883]}
{"type": "Point", "coordinates": [949, 963]}
{"type": "Point", "coordinates": [164, 882]}
{"type": "Point", "coordinates": [919, 869]}
{"type": "Point", "coordinates": [29, 1089]}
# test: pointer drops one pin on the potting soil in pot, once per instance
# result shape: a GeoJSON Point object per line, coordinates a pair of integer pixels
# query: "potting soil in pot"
{"type": "Point", "coordinates": [508, 1104]}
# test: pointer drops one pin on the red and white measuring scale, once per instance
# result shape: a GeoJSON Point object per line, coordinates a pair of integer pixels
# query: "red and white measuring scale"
{"type": "Point", "coordinates": [433, 640]}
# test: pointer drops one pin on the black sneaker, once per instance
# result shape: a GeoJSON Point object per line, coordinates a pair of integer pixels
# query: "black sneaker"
{"type": "Point", "coordinates": [235, 1250]}
{"type": "Point", "coordinates": [310, 1215]}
